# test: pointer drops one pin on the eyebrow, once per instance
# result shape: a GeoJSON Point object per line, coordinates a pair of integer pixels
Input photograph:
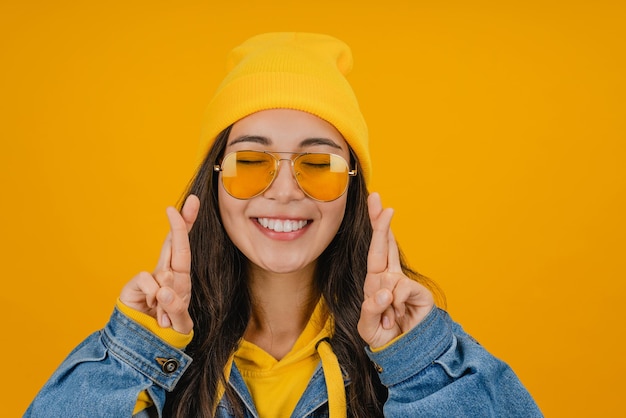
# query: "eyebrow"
{"type": "Point", "coordinates": [266, 141]}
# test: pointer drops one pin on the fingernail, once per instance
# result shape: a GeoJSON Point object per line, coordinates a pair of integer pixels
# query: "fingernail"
{"type": "Point", "coordinates": [165, 321]}
{"type": "Point", "coordinates": [386, 322]}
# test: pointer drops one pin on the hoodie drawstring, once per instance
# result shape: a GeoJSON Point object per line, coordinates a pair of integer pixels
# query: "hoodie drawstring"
{"type": "Point", "coordinates": [334, 380]}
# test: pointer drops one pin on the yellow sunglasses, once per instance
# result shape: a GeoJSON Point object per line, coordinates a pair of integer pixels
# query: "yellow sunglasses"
{"type": "Point", "coordinates": [321, 176]}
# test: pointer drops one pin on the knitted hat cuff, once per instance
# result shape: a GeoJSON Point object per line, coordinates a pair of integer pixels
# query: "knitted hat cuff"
{"type": "Point", "coordinates": [247, 95]}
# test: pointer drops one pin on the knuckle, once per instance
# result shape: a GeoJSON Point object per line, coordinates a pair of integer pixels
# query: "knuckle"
{"type": "Point", "coordinates": [183, 250]}
{"type": "Point", "coordinates": [179, 309]}
{"type": "Point", "coordinates": [364, 305]}
{"type": "Point", "coordinates": [186, 299]}
{"type": "Point", "coordinates": [406, 283]}
{"type": "Point", "coordinates": [368, 306]}
{"type": "Point", "coordinates": [163, 276]}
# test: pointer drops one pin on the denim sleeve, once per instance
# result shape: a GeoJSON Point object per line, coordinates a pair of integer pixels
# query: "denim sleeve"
{"type": "Point", "coordinates": [103, 376]}
{"type": "Point", "coordinates": [437, 370]}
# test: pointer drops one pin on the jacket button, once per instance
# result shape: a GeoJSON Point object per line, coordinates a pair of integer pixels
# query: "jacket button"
{"type": "Point", "coordinates": [168, 366]}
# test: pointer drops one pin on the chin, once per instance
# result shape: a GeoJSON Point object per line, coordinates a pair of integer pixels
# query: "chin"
{"type": "Point", "coordinates": [283, 266]}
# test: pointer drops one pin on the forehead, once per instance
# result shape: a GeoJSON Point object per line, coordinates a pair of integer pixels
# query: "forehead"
{"type": "Point", "coordinates": [284, 130]}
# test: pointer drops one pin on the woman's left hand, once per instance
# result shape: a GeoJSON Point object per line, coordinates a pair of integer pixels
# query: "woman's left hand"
{"type": "Point", "coordinates": [394, 303]}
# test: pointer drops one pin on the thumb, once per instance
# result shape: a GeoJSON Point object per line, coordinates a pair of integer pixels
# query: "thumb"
{"type": "Point", "coordinates": [373, 313]}
{"type": "Point", "coordinates": [174, 311]}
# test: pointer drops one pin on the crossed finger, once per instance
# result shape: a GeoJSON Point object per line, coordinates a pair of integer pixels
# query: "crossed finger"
{"type": "Point", "coordinates": [383, 253]}
{"type": "Point", "coordinates": [175, 253]}
{"type": "Point", "coordinates": [377, 258]}
{"type": "Point", "coordinates": [174, 266]}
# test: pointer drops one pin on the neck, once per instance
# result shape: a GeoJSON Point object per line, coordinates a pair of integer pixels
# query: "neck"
{"type": "Point", "coordinates": [281, 307]}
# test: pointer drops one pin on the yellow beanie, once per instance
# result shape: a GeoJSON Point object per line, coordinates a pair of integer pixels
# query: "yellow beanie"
{"type": "Point", "coordinates": [302, 71]}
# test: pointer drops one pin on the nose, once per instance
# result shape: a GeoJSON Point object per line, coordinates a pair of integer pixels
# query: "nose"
{"type": "Point", "coordinates": [284, 187]}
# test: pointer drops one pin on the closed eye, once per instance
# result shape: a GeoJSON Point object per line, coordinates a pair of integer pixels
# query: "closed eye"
{"type": "Point", "coordinates": [251, 162]}
{"type": "Point", "coordinates": [316, 165]}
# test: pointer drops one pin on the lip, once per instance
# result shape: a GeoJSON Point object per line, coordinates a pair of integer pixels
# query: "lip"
{"type": "Point", "coordinates": [282, 236]}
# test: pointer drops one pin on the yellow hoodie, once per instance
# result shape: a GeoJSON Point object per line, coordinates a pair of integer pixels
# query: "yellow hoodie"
{"type": "Point", "coordinates": [277, 385]}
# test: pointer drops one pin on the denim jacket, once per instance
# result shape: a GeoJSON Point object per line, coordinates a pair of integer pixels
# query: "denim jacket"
{"type": "Point", "coordinates": [434, 370]}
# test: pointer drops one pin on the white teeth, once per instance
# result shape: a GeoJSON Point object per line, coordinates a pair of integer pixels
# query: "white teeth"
{"type": "Point", "coordinates": [278, 225]}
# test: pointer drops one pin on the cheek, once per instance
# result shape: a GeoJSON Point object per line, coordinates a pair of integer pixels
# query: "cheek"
{"type": "Point", "coordinates": [336, 213]}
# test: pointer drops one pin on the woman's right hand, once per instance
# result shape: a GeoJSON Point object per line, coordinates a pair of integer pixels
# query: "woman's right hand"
{"type": "Point", "coordinates": [165, 294]}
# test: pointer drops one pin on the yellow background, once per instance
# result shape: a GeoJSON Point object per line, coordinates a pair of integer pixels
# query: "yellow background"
{"type": "Point", "coordinates": [498, 135]}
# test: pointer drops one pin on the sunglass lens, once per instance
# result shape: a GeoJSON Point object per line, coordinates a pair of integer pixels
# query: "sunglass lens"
{"type": "Point", "coordinates": [245, 174]}
{"type": "Point", "coordinates": [322, 176]}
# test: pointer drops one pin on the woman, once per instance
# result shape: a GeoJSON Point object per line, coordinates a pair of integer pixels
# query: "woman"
{"type": "Point", "coordinates": [280, 290]}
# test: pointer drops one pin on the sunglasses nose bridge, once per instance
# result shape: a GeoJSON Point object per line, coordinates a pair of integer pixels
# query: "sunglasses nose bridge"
{"type": "Point", "coordinates": [284, 186]}
{"type": "Point", "coordinates": [279, 159]}
{"type": "Point", "coordinates": [290, 163]}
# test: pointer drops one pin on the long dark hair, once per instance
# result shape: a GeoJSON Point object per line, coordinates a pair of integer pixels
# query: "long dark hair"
{"type": "Point", "coordinates": [220, 300]}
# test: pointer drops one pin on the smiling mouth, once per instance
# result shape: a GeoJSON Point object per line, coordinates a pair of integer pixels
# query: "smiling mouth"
{"type": "Point", "coordinates": [281, 225]}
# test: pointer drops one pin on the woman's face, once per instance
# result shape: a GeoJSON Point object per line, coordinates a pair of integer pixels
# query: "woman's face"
{"type": "Point", "coordinates": [256, 226]}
